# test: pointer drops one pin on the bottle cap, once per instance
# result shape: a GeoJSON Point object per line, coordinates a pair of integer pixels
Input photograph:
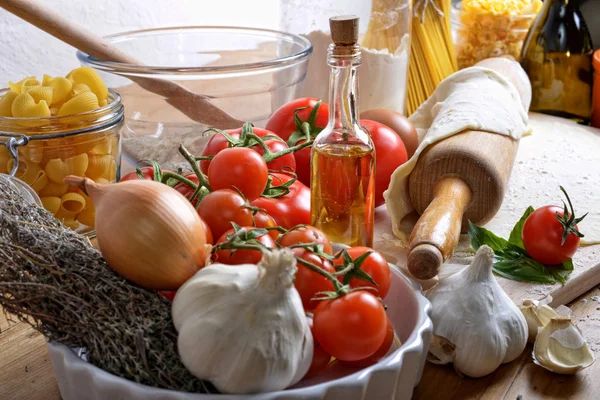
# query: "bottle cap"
{"type": "Point", "coordinates": [344, 29]}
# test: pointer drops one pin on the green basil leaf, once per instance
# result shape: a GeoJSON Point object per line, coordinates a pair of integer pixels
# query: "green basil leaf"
{"type": "Point", "coordinates": [480, 236]}
{"type": "Point", "coordinates": [516, 233]}
{"type": "Point", "coordinates": [519, 267]}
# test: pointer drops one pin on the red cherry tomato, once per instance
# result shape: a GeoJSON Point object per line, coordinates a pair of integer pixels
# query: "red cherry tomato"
{"type": "Point", "coordinates": [390, 153]}
{"type": "Point", "coordinates": [375, 266]}
{"type": "Point", "coordinates": [351, 327]}
{"type": "Point", "coordinates": [186, 190]}
{"type": "Point", "coordinates": [239, 168]}
{"type": "Point", "coordinates": [208, 232]}
{"type": "Point", "coordinates": [308, 283]}
{"type": "Point", "coordinates": [264, 220]}
{"type": "Point", "coordinates": [542, 236]}
{"type": "Point", "coordinates": [282, 122]}
{"type": "Point", "coordinates": [306, 234]}
{"type": "Point", "coordinates": [168, 294]}
{"type": "Point", "coordinates": [147, 173]}
{"type": "Point", "coordinates": [218, 142]}
{"type": "Point", "coordinates": [222, 207]}
{"type": "Point", "coordinates": [381, 351]}
{"type": "Point", "coordinates": [289, 210]}
{"type": "Point", "coordinates": [241, 256]}
{"type": "Point", "coordinates": [320, 359]}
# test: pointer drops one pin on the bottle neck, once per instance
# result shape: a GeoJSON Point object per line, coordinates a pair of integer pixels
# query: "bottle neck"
{"type": "Point", "coordinates": [343, 87]}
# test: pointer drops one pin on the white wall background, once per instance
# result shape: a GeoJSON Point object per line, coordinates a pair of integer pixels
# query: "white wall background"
{"type": "Point", "coordinates": [27, 50]}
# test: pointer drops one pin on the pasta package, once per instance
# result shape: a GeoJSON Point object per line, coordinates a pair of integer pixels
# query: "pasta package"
{"type": "Point", "coordinates": [44, 162]}
{"type": "Point", "coordinates": [492, 28]}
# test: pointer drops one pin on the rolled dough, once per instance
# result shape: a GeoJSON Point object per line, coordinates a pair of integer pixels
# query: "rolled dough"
{"type": "Point", "coordinates": [475, 98]}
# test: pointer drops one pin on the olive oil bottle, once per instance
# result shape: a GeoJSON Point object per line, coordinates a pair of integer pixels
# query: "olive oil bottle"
{"type": "Point", "coordinates": [557, 56]}
{"type": "Point", "coordinates": [343, 154]}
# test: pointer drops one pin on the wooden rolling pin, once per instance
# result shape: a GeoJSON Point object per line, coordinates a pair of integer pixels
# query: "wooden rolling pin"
{"type": "Point", "coordinates": [458, 179]}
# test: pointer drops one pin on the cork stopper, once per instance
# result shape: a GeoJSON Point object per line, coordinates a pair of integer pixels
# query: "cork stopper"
{"type": "Point", "coordinates": [344, 29]}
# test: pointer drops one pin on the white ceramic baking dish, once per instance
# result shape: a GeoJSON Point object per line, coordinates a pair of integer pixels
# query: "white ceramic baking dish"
{"type": "Point", "coordinates": [394, 377]}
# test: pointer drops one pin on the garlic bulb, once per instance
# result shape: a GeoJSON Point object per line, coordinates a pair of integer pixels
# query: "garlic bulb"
{"type": "Point", "coordinates": [537, 314]}
{"type": "Point", "coordinates": [561, 348]}
{"type": "Point", "coordinates": [475, 324]}
{"type": "Point", "coordinates": [243, 327]}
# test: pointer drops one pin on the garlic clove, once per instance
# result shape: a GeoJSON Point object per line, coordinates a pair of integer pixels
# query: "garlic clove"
{"type": "Point", "coordinates": [477, 326]}
{"type": "Point", "coordinates": [561, 348]}
{"type": "Point", "coordinates": [537, 314]}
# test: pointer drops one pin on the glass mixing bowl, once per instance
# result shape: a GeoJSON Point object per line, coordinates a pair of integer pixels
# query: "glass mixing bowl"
{"type": "Point", "coordinates": [248, 73]}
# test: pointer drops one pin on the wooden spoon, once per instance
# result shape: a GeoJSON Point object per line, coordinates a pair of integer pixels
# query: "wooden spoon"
{"type": "Point", "coordinates": [197, 107]}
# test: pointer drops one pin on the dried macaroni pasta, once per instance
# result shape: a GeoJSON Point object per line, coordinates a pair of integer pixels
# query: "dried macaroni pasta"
{"type": "Point", "coordinates": [492, 28]}
{"type": "Point", "coordinates": [44, 164]}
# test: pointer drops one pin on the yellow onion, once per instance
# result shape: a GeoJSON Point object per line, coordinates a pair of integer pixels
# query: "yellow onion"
{"type": "Point", "coordinates": [148, 232]}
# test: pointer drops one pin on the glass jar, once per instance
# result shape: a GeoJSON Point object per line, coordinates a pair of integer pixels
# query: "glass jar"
{"type": "Point", "coordinates": [43, 151]}
{"type": "Point", "coordinates": [480, 34]}
{"type": "Point", "coordinates": [384, 36]}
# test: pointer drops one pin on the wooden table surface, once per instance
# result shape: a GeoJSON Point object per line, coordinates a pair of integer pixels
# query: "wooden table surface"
{"type": "Point", "coordinates": [26, 371]}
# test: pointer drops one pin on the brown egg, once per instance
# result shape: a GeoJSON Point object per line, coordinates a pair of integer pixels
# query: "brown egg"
{"type": "Point", "coordinates": [399, 123]}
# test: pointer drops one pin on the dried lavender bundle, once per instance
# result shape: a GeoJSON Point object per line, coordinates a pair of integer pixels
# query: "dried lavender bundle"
{"type": "Point", "coordinates": [53, 279]}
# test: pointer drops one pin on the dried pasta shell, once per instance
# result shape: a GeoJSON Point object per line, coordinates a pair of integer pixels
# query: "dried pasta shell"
{"type": "Point", "coordinates": [72, 202]}
{"type": "Point", "coordinates": [90, 77]}
{"type": "Point", "coordinates": [52, 204]}
{"type": "Point", "coordinates": [35, 154]}
{"type": "Point", "coordinates": [79, 104]}
{"type": "Point", "coordinates": [70, 223]}
{"type": "Point", "coordinates": [40, 93]}
{"type": "Point", "coordinates": [102, 147]}
{"type": "Point", "coordinates": [6, 102]}
{"type": "Point", "coordinates": [103, 103]}
{"type": "Point", "coordinates": [53, 189]}
{"type": "Point", "coordinates": [79, 88]}
{"type": "Point", "coordinates": [62, 89]}
{"type": "Point", "coordinates": [40, 182]}
{"type": "Point", "coordinates": [27, 171]}
{"type": "Point", "coordinates": [98, 166]}
{"type": "Point", "coordinates": [24, 84]}
{"type": "Point", "coordinates": [25, 106]}
{"type": "Point", "coordinates": [57, 169]}
{"type": "Point", "coordinates": [46, 79]}
{"type": "Point", "coordinates": [88, 215]}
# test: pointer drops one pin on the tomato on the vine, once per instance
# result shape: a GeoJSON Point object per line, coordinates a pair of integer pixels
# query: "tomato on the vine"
{"type": "Point", "coordinates": [320, 359]}
{"type": "Point", "coordinates": [351, 327]}
{"type": "Point", "coordinates": [283, 123]}
{"type": "Point", "coordinates": [289, 210]}
{"type": "Point", "coordinates": [542, 236]}
{"type": "Point", "coordinates": [239, 168]}
{"type": "Point", "coordinates": [263, 220]}
{"type": "Point", "coordinates": [147, 173]}
{"type": "Point", "coordinates": [218, 142]}
{"type": "Point", "coordinates": [168, 294]}
{"type": "Point", "coordinates": [390, 153]}
{"type": "Point", "coordinates": [381, 351]}
{"type": "Point", "coordinates": [186, 190]}
{"type": "Point", "coordinates": [222, 207]}
{"type": "Point", "coordinates": [207, 231]}
{"type": "Point", "coordinates": [308, 283]}
{"type": "Point", "coordinates": [374, 265]}
{"type": "Point", "coordinates": [306, 234]}
{"type": "Point", "coordinates": [241, 256]}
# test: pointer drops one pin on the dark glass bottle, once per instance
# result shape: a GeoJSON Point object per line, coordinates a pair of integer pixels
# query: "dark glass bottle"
{"type": "Point", "coordinates": [557, 56]}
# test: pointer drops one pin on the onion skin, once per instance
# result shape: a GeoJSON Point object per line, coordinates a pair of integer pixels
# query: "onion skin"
{"type": "Point", "coordinates": [398, 123]}
{"type": "Point", "coordinates": [147, 232]}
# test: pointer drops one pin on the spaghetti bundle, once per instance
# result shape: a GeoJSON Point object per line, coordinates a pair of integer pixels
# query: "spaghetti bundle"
{"type": "Point", "coordinates": [432, 54]}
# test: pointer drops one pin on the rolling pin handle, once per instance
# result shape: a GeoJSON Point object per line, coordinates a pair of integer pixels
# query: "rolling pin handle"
{"type": "Point", "coordinates": [437, 232]}
{"type": "Point", "coordinates": [425, 260]}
